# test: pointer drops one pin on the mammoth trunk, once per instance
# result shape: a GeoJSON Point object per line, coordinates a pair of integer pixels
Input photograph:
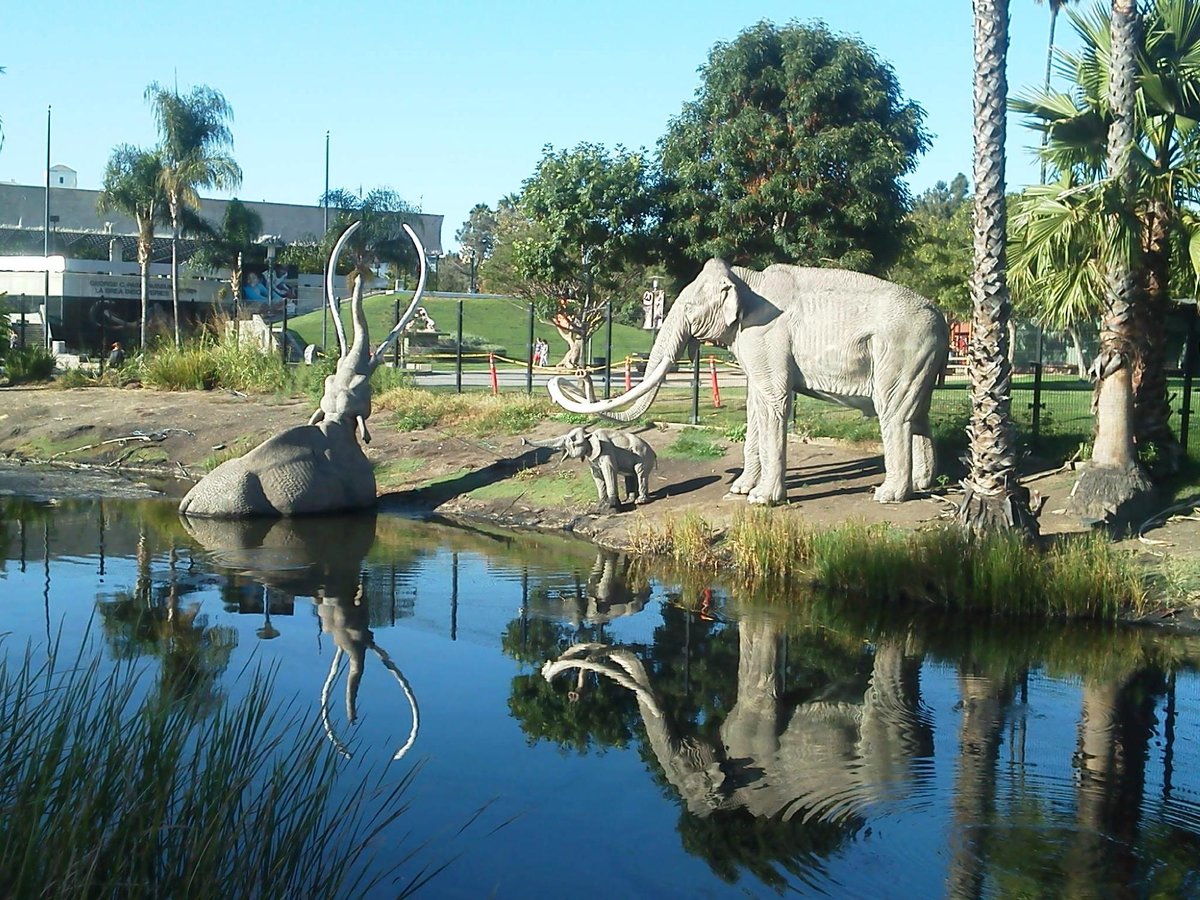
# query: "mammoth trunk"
{"type": "Point", "coordinates": [667, 347]}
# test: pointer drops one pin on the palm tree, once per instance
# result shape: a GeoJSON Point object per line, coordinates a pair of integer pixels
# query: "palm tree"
{"type": "Point", "coordinates": [381, 239]}
{"type": "Point", "coordinates": [133, 185]}
{"type": "Point", "coordinates": [1055, 6]}
{"type": "Point", "coordinates": [231, 246]}
{"type": "Point", "coordinates": [193, 139]}
{"type": "Point", "coordinates": [1114, 481]}
{"type": "Point", "coordinates": [993, 499]}
{"type": "Point", "coordinates": [1165, 166]}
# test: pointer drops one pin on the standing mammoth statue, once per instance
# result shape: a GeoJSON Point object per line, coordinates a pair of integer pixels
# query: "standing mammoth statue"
{"type": "Point", "coordinates": [840, 336]}
{"type": "Point", "coordinates": [319, 467]}
{"type": "Point", "coordinates": [614, 456]}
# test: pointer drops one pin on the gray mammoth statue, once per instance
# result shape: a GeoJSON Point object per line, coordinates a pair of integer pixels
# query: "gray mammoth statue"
{"type": "Point", "coordinates": [835, 335]}
{"type": "Point", "coordinates": [318, 467]}
{"type": "Point", "coordinates": [614, 456]}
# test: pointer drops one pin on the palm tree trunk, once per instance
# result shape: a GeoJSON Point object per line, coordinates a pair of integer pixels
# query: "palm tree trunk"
{"type": "Point", "coordinates": [1112, 488]}
{"type": "Point", "coordinates": [1151, 402]}
{"type": "Point", "coordinates": [145, 247]}
{"type": "Point", "coordinates": [993, 499]}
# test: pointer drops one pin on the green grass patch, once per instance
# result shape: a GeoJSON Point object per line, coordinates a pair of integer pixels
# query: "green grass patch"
{"type": "Point", "coordinates": [565, 486]}
{"type": "Point", "coordinates": [1078, 576]}
{"type": "Point", "coordinates": [110, 789]}
{"type": "Point", "coordinates": [395, 472]}
{"type": "Point", "coordinates": [694, 443]}
{"type": "Point", "coordinates": [465, 414]}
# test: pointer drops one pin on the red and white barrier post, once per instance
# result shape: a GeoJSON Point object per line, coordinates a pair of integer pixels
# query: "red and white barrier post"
{"type": "Point", "coordinates": [492, 370]}
{"type": "Point", "coordinates": [712, 368]}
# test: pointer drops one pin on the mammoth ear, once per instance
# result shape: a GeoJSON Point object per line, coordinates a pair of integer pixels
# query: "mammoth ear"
{"type": "Point", "coordinates": [730, 300]}
{"type": "Point", "coordinates": [594, 443]}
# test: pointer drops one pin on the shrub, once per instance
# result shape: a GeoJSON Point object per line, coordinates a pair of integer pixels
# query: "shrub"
{"type": "Point", "coordinates": [28, 364]}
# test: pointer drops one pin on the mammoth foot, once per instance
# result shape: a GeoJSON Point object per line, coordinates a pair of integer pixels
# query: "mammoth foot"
{"type": "Point", "coordinates": [767, 497]}
{"type": "Point", "coordinates": [892, 493]}
{"type": "Point", "coordinates": [743, 484]}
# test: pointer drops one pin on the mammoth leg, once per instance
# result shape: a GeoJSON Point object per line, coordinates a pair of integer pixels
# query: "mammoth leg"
{"type": "Point", "coordinates": [751, 469]}
{"type": "Point", "coordinates": [924, 464]}
{"type": "Point", "coordinates": [896, 429]}
{"type": "Point", "coordinates": [609, 470]}
{"type": "Point", "coordinates": [641, 478]}
{"type": "Point", "coordinates": [773, 417]}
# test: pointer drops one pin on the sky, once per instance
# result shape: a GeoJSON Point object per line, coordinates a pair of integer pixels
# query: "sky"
{"type": "Point", "coordinates": [448, 104]}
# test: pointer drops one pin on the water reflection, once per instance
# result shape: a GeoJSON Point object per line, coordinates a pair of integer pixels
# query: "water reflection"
{"type": "Point", "coordinates": [806, 746]}
{"type": "Point", "coordinates": [321, 558]}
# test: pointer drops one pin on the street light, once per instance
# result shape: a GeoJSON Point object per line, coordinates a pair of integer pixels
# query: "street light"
{"type": "Point", "coordinates": [468, 256]}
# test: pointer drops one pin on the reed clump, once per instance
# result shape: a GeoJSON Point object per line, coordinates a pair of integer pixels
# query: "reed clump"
{"type": "Point", "coordinates": [1079, 577]}
{"type": "Point", "coordinates": [107, 789]}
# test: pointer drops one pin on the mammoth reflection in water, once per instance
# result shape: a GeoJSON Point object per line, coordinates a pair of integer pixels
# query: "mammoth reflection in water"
{"type": "Point", "coordinates": [611, 592]}
{"type": "Point", "coordinates": [319, 558]}
{"type": "Point", "coordinates": [827, 757]}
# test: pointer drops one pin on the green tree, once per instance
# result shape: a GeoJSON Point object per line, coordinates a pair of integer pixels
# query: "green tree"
{"type": "Point", "coordinates": [584, 237]}
{"type": "Point", "coordinates": [936, 262]}
{"type": "Point", "coordinates": [479, 231]}
{"type": "Point", "coordinates": [133, 185]}
{"type": "Point", "coordinates": [233, 245]}
{"type": "Point", "coordinates": [194, 140]}
{"type": "Point", "coordinates": [793, 151]}
{"type": "Point", "coordinates": [993, 500]}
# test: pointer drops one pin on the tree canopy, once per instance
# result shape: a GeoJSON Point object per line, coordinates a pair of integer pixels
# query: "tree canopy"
{"type": "Point", "coordinates": [381, 240]}
{"type": "Point", "coordinates": [936, 262]}
{"type": "Point", "coordinates": [580, 234]}
{"type": "Point", "coordinates": [793, 151]}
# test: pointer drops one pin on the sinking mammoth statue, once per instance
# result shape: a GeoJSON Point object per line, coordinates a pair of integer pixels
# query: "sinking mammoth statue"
{"type": "Point", "coordinates": [319, 467]}
{"type": "Point", "coordinates": [835, 335]}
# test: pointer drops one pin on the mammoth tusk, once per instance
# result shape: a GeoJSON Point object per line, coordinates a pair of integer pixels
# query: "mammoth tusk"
{"type": "Point", "coordinates": [378, 355]}
{"type": "Point", "coordinates": [330, 275]}
{"type": "Point", "coordinates": [570, 400]}
{"type": "Point", "coordinates": [408, 693]}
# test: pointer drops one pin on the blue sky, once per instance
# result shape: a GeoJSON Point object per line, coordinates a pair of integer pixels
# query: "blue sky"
{"type": "Point", "coordinates": [449, 104]}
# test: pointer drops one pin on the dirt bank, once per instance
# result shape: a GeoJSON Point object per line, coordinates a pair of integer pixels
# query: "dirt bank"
{"type": "Point", "coordinates": [144, 441]}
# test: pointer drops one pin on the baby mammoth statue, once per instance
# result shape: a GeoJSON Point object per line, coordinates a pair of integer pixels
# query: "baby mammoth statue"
{"type": "Point", "coordinates": [610, 454]}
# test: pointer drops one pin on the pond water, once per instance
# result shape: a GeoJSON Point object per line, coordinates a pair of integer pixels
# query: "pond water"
{"type": "Point", "coordinates": [688, 742]}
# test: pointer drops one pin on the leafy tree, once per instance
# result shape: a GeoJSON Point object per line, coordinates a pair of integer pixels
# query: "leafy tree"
{"type": "Point", "coordinates": [936, 262]}
{"type": "Point", "coordinates": [236, 243]}
{"type": "Point", "coordinates": [993, 500]}
{"type": "Point", "coordinates": [133, 185]}
{"type": "Point", "coordinates": [793, 151]}
{"type": "Point", "coordinates": [194, 138]}
{"type": "Point", "coordinates": [583, 238]}
{"type": "Point", "coordinates": [381, 240]}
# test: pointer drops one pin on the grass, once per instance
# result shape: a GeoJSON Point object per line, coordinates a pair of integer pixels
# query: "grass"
{"type": "Point", "coordinates": [1076, 577]}
{"type": "Point", "coordinates": [694, 443]}
{"type": "Point", "coordinates": [502, 324]}
{"type": "Point", "coordinates": [474, 414]}
{"type": "Point", "coordinates": [565, 486]}
{"type": "Point", "coordinates": [110, 790]}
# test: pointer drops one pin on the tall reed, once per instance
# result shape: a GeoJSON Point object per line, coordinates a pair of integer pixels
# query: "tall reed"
{"type": "Point", "coordinates": [1081, 576]}
{"type": "Point", "coordinates": [108, 790]}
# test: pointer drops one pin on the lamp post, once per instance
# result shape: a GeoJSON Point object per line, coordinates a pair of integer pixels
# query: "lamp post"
{"type": "Point", "coordinates": [469, 257]}
{"type": "Point", "coordinates": [325, 231]}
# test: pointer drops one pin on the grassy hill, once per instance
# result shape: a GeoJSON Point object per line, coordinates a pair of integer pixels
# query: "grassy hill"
{"type": "Point", "coordinates": [490, 322]}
